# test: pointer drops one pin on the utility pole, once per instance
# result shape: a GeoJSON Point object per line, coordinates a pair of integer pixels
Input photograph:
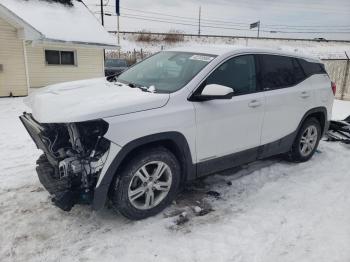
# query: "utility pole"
{"type": "Point", "coordinates": [118, 37]}
{"type": "Point", "coordinates": [103, 23]}
{"type": "Point", "coordinates": [117, 11]}
{"type": "Point", "coordinates": [345, 77]}
{"type": "Point", "coordinates": [102, 14]}
{"type": "Point", "coordinates": [199, 21]}
{"type": "Point", "coordinates": [258, 29]}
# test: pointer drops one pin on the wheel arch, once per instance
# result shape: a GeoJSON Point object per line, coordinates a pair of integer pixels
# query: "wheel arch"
{"type": "Point", "coordinates": [320, 113]}
{"type": "Point", "coordinates": [173, 141]}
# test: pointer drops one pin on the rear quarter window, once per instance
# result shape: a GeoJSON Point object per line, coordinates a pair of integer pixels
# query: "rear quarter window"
{"type": "Point", "coordinates": [312, 68]}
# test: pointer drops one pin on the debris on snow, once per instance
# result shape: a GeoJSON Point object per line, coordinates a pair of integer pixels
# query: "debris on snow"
{"type": "Point", "coordinates": [197, 209]}
{"type": "Point", "coordinates": [213, 194]}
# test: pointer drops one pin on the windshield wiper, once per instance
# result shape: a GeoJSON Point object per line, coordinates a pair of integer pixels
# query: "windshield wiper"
{"type": "Point", "coordinates": [143, 88]}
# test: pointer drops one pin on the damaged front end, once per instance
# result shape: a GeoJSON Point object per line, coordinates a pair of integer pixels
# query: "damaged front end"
{"type": "Point", "coordinates": [74, 154]}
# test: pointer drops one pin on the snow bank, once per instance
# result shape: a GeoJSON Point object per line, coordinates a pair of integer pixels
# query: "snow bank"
{"type": "Point", "coordinates": [322, 50]}
{"type": "Point", "coordinates": [341, 109]}
{"type": "Point", "coordinates": [270, 210]}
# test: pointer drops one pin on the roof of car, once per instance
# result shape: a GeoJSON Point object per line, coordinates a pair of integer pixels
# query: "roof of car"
{"type": "Point", "coordinates": [225, 49]}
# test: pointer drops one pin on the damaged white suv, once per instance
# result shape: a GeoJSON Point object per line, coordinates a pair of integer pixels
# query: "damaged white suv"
{"type": "Point", "coordinates": [176, 116]}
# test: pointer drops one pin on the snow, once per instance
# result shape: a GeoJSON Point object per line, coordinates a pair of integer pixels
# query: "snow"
{"type": "Point", "coordinates": [96, 96]}
{"type": "Point", "coordinates": [321, 50]}
{"type": "Point", "coordinates": [341, 110]}
{"type": "Point", "coordinates": [59, 22]}
{"type": "Point", "coordinates": [269, 210]}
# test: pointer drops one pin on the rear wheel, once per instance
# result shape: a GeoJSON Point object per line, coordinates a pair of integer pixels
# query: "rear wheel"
{"type": "Point", "coordinates": [307, 140]}
{"type": "Point", "coordinates": [147, 184]}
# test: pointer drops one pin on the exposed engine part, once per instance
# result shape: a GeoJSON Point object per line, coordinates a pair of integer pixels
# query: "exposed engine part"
{"type": "Point", "coordinates": [75, 137]}
{"type": "Point", "coordinates": [70, 165]}
{"type": "Point", "coordinates": [74, 155]}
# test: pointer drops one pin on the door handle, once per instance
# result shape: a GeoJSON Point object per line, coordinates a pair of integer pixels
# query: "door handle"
{"type": "Point", "coordinates": [304, 94]}
{"type": "Point", "coordinates": [254, 103]}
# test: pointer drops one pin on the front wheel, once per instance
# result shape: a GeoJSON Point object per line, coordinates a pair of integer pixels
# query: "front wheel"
{"type": "Point", "coordinates": [307, 140]}
{"type": "Point", "coordinates": [147, 184]}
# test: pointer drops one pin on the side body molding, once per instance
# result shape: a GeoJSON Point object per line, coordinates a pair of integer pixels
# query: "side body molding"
{"type": "Point", "coordinates": [176, 138]}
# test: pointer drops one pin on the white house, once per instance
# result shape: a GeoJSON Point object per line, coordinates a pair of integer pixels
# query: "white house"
{"type": "Point", "coordinates": [44, 42]}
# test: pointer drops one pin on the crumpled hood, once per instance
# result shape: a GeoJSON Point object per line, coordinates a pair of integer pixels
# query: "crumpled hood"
{"type": "Point", "coordinates": [88, 100]}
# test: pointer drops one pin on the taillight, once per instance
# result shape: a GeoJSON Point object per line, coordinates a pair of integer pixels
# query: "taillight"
{"type": "Point", "coordinates": [334, 88]}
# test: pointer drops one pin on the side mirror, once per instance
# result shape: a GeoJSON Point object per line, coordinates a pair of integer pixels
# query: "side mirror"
{"type": "Point", "coordinates": [214, 91]}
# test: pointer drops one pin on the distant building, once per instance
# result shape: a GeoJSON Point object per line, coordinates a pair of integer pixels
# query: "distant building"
{"type": "Point", "coordinates": [43, 42]}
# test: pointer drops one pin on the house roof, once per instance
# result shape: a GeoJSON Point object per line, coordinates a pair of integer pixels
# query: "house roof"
{"type": "Point", "coordinates": [56, 22]}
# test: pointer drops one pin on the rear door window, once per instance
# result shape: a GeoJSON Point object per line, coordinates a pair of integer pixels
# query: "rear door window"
{"type": "Point", "coordinates": [277, 71]}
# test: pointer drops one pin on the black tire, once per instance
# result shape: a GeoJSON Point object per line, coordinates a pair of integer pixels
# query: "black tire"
{"type": "Point", "coordinates": [296, 154]}
{"type": "Point", "coordinates": [119, 194]}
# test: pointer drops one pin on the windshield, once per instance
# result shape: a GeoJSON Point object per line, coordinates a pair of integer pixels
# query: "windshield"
{"type": "Point", "coordinates": [167, 72]}
{"type": "Point", "coordinates": [115, 63]}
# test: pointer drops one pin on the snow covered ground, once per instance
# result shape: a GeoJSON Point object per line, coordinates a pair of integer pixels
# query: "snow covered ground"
{"type": "Point", "coordinates": [341, 109]}
{"type": "Point", "coordinates": [269, 211]}
{"type": "Point", "coordinates": [322, 50]}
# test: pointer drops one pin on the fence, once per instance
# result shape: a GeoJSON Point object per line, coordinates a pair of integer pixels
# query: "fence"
{"type": "Point", "coordinates": [130, 56]}
{"type": "Point", "coordinates": [339, 72]}
{"type": "Point", "coordinates": [330, 51]}
{"type": "Point", "coordinates": [338, 69]}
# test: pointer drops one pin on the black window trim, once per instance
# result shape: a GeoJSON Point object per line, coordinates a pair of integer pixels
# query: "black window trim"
{"type": "Point", "coordinates": [292, 57]}
{"type": "Point", "coordinates": [59, 56]}
{"type": "Point", "coordinates": [199, 88]}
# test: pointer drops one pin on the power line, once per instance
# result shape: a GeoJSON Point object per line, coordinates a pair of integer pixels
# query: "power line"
{"type": "Point", "coordinates": [239, 24]}
{"type": "Point", "coordinates": [209, 25]}
{"type": "Point", "coordinates": [288, 6]}
{"type": "Point", "coordinates": [229, 25]}
{"type": "Point", "coordinates": [184, 17]}
{"type": "Point", "coordinates": [229, 28]}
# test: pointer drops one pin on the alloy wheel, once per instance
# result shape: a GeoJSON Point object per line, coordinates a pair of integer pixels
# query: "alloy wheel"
{"type": "Point", "coordinates": [308, 140]}
{"type": "Point", "coordinates": [150, 184]}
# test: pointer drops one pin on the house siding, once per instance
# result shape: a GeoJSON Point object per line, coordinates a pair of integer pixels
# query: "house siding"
{"type": "Point", "coordinates": [89, 64]}
{"type": "Point", "coordinates": [13, 79]}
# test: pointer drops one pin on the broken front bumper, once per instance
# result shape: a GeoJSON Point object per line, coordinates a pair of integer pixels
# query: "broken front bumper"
{"type": "Point", "coordinates": [47, 168]}
{"type": "Point", "coordinates": [68, 190]}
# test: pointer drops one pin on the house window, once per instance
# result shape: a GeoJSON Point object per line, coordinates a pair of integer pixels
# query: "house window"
{"type": "Point", "coordinates": [55, 57]}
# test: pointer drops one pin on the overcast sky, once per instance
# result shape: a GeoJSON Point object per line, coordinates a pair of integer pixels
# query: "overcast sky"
{"type": "Point", "coordinates": [232, 17]}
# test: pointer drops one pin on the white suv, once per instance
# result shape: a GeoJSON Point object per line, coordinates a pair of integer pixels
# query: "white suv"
{"type": "Point", "coordinates": [176, 116]}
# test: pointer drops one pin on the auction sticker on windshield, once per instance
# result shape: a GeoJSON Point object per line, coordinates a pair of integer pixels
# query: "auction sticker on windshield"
{"type": "Point", "coordinates": [202, 58]}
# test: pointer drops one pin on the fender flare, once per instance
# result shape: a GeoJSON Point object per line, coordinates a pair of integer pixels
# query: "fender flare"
{"type": "Point", "coordinates": [101, 191]}
{"type": "Point", "coordinates": [320, 109]}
